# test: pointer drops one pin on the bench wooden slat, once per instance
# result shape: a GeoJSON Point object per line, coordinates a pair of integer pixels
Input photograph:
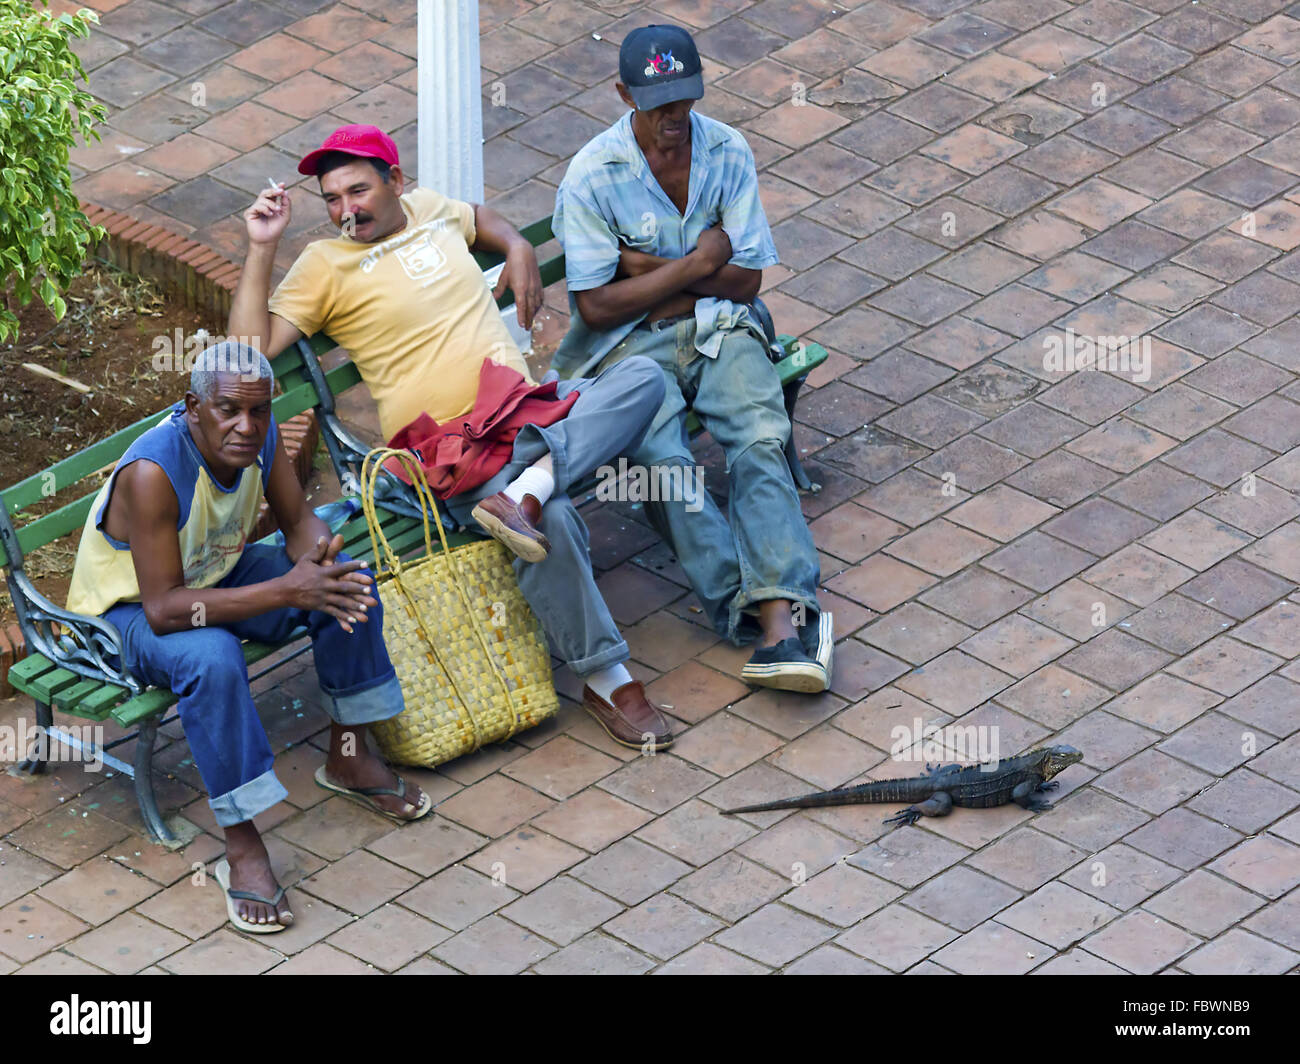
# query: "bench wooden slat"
{"type": "Point", "coordinates": [152, 703]}
{"type": "Point", "coordinates": [76, 700]}
{"type": "Point", "coordinates": [356, 536]}
{"type": "Point", "coordinates": [552, 270]}
{"type": "Point", "coordinates": [70, 470]}
{"type": "Point", "coordinates": [48, 683]}
{"type": "Point", "coordinates": [97, 704]}
{"type": "Point", "coordinates": [28, 670]}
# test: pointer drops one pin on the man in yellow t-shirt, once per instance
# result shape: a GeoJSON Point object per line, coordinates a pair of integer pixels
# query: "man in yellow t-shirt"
{"type": "Point", "coordinates": [399, 290]}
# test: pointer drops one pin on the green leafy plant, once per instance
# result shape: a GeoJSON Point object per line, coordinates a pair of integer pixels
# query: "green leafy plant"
{"type": "Point", "coordinates": [43, 233]}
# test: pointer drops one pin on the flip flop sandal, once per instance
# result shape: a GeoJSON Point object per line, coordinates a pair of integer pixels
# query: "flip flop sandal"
{"type": "Point", "coordinates": [222, 872]}
{"type": "Point", "coordinates": [363, 796]}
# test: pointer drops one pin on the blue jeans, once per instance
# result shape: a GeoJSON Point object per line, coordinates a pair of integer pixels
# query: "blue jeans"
{"type": "Point", "coordinates": [205, 668]}
{"type": "Point", "coordinates": [766, 551]}
{"type": "Point", "coordinates": [609, 419]}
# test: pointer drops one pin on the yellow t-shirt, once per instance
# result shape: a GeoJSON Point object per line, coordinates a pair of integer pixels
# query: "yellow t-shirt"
{"type": "Point", "coordinates": [413, 311]}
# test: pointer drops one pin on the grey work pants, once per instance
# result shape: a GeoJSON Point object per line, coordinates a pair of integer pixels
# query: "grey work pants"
{"type": "Point", "coordinates": [610, 418]}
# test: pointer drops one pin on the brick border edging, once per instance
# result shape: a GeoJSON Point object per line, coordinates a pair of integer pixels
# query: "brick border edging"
{"type": "Point", "coordinates": [204, 280]}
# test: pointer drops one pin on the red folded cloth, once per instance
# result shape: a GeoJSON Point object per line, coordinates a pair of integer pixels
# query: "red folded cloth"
{"type": "Point", "coordinates": [470, 451]}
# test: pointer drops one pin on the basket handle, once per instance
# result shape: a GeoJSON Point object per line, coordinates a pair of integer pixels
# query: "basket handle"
{"type": "Point", "coordinates": [370, 469]}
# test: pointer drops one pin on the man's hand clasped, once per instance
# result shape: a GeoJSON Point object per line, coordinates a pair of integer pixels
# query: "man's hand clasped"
{"type": "Point", "coordinates": [341, 589]}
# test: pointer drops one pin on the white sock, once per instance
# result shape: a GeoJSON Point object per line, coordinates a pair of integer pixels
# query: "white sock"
{"type": "Point", "coordinates": [532, 481]}
{"type": "Point", "coordinates": [606, 681]}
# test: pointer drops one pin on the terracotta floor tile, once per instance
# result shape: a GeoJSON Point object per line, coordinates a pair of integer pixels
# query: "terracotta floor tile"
{"type": "Point", "coordinates": [1121, 876]}
{"type": "Point", "coordinates": [1183, 838]}
{"type": "Point", "coordinates": [126, 944]}
{"type": "Point", "coordinates": [98, 890]}
{"type": "Point", "coordinates": [389, 937]}
{"type": "Point", "coordinates": [1141, 943]}
{"type": "Point", "coordinates": [991, 947]}
{"type": "Point", "coordinates": [1058, 915]}
{"type": "Point", "coordinates": [322, 959]}
{"type": "Point", "coordinates": [1265, 864]}
{"type": "Point", "coordinates": [774, 935]}
{"type": "Point", "coordinates": [630, 871]}
{"type": "Point", "coordinates": [525, 859]}
{"type": "Point", "coordinates": [456, 897]}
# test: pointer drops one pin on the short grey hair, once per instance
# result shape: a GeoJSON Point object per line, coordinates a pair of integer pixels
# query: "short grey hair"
{"type": "Point", "coordinates": [229, 356]}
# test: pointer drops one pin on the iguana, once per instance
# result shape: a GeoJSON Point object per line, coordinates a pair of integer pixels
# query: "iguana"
{"type": "Point", "coordinates": [1019, 780]}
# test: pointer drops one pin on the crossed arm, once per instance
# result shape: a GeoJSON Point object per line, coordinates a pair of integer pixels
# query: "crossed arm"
{"type": "Point", "coordinates": [144, 510]}
{"type": "Point", "coordinates": [659, 287]}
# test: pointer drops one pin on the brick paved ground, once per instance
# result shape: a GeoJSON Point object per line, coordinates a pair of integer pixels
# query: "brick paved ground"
{"type": "Point", "coordinates": [1110, 564]}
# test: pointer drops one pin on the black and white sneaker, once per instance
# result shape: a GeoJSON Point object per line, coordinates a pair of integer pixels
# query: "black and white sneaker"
{"type": "Point", "coordinates": [825, 651]}
{"type": "Point", "coordinates": [785, 667]}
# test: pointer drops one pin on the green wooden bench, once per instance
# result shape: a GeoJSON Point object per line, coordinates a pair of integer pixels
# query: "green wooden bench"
{"type": "Point", "coordinates": [72, 660]}
{"type": "Point", "coordinates": [70, 665]}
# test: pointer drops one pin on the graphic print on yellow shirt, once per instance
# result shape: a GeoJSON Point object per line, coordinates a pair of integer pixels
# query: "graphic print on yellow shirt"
{"type": "Point", "coordinates": [413, 311]}
{"type": "Point", "coordinates": [213, 525]}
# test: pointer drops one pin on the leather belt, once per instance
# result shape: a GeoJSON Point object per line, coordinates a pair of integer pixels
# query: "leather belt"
{"type": "Point", "coordinates": [663, 323]}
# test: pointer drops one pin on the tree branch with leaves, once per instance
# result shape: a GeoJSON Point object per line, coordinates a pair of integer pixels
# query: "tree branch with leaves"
{"type": "Point", "coordinates": [44, 235]}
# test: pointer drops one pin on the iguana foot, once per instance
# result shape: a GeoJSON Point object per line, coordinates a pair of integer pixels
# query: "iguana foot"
{"type": "Point", "coordinates": [1050, 785]}
{"type": "Point", "coordinates": [910, 815]}
{"type": "Point", "coordinates": [1037, 805]}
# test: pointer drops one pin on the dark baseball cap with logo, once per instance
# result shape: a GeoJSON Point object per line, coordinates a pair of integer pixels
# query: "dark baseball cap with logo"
{"type": "Point", "coordinates": [659, 65]}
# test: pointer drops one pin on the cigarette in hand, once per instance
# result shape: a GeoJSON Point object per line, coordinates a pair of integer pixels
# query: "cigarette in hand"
{"type": "Point", "coordinates": [275, 183]}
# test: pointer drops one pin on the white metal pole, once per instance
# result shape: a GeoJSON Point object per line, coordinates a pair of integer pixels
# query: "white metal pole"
{"type": "Point", "coordinates": [450, 105]}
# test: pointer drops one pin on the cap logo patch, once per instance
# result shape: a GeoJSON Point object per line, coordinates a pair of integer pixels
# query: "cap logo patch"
{"type": "Point", "coordinates": [663, 63]}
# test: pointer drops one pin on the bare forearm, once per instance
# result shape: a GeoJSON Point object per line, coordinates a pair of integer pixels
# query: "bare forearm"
{"type": "Point", "coordinates": [304, 535]}
{"type": "Point", "coordinates": [730, 282]}
{"type": "Point", "coordinates": [621, 301]}
{"type": "Point", "coordinates": [249, 317]}
{"type": "Point", "coordinates": [726, 282]}
{"type": "Point", "coordinates": [493, 233]}
{"type": "Point", "coordinates": [184, 608]}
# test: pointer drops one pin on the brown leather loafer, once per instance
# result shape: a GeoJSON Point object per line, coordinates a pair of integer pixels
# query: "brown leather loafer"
{"type": "Point", "coordinates": [631, 718]}
{"type": "Point", "coordinates": [515, 526]}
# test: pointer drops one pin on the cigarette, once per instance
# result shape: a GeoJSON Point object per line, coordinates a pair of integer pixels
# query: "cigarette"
{"type": "Point", "coordinates": [274, 183]}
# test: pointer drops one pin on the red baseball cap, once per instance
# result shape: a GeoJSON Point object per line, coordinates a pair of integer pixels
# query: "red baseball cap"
{"type": "Point", "coordinates": [369, 142]}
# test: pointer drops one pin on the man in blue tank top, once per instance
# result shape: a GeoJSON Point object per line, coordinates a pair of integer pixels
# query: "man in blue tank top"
{"type": "Point", "coordinates": [165, 558]}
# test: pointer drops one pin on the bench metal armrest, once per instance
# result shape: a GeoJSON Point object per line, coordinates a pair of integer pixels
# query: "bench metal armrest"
{"type": "Point", "coordinates": [89, 646]}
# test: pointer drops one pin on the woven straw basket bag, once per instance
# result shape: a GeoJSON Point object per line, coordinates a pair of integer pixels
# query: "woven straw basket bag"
{"type": "Point", "coordinates": [469, 653]}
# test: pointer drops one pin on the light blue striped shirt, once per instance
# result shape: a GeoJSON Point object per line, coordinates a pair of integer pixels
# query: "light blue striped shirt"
{"type": "Point", "coordinates": [609, 194]}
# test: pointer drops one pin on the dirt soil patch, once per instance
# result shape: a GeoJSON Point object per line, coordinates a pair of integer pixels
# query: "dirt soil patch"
{"type": "Point", "coordinates": [108, 341]}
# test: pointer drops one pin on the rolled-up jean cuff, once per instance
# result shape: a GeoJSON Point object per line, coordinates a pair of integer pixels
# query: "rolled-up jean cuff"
{"type": "Point", "coordinates": [366, 703]}
{"type": "Point", "coordinates": [554, 443]}
{"type": "Point", "coordinates": [614, 655]}
{"type": "Point", "coordinates": [248, 799]}
{"type": "Point", "coordinates": [744, 600]}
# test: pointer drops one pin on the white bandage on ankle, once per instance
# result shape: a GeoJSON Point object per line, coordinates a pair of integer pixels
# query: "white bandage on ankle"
{"type": "Point", "coordinates": [532, 481]}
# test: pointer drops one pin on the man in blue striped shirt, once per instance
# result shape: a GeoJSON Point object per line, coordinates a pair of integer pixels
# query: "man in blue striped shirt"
{"type": "Point", "coordinates": [665, 241]}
